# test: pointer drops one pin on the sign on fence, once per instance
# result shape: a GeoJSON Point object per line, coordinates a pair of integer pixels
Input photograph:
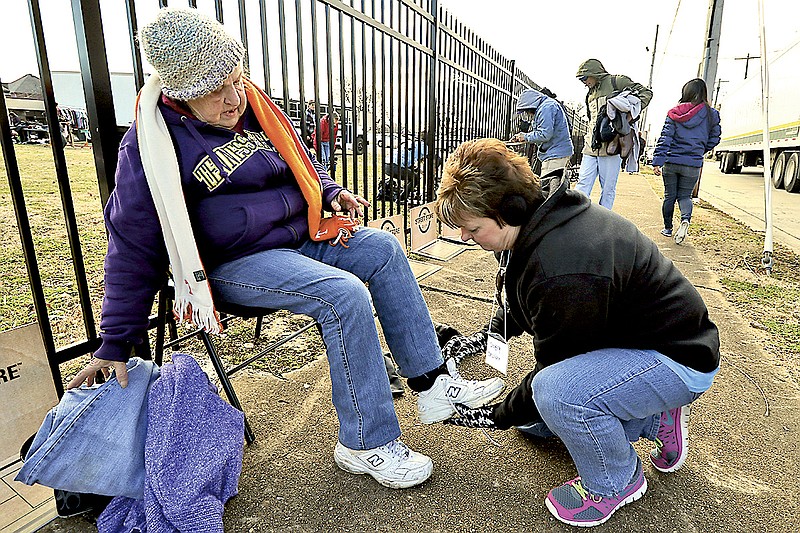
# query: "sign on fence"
{"type": "Point", "coordinates": [425, 232]}
{"type": "Point", "coordinates": [27, 391]}
{"type": "Point", "coordinates": [393, 225]}
{"type": "Point", "coordinates": [424, 226]}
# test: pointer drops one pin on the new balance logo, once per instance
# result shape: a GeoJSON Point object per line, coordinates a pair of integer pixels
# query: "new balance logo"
{"type": "Point", "coordinates": [375, 460]}
{"type": "Point", "coordinates": [453, 391]}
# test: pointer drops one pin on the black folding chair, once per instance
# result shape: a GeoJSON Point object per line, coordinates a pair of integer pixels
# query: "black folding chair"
{"type": "Point", "coordinates": [228, 311]}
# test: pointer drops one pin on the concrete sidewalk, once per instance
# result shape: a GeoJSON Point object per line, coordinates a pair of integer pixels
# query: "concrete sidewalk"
{"type": "Point", "coordinates": [740, 476]}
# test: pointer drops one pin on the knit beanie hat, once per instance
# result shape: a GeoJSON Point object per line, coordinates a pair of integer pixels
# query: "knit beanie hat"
{"type": "Point", "coordinates": [192, 53]}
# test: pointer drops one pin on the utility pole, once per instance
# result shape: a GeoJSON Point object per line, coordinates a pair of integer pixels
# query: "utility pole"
{"type": "Point", "coordinates": [643, 122]}
{"type": "Point", "coordinates": [708, 69]}
{"type": "Point", "coordinates": [653, 60]}
{"type": "Point", "coordinates": [747, 62]}
{"type": "Point", "coordinates": [716, 91]}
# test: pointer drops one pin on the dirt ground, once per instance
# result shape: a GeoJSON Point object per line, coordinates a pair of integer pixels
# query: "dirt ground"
{"type": "Point", "coordinates": [769, 302]}
{"type": "Point", "coordinates": [743, 465]}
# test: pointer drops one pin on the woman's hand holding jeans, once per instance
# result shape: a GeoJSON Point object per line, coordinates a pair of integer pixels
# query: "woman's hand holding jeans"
{"type": "Point", "coordinates": [88, 373]}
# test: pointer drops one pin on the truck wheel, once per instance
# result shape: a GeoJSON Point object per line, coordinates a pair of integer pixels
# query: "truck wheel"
{"type": "Point", "coordinates": [791, 174]}
{"type": "Point", "coordinates": [359, 148]}
{"type": "Point", "coordinates": [777, 170]}
{"type": "Point", "coordinates": [728, 163]}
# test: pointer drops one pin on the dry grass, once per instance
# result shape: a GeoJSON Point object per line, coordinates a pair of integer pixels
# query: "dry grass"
{"type": "Point", "coordinates": [770, 302]}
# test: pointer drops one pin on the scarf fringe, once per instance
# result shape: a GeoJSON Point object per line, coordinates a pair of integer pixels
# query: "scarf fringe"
{"type": "Point", "coordinates": [203, 317]}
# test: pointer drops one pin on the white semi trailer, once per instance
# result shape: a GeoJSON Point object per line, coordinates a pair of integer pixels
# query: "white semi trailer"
{"type": "Point", "coordinates": [743, 124]}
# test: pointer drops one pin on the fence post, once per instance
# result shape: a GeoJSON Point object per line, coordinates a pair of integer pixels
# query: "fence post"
{"type": "Point", "coordinates": [26, 240]}
{"type": "Point", "coordinates": [97, 90]}
{"type": "Point", "coordinates": [511, 97]}
{"type": "Point", "coordinates": [430, 140]}
{"type": "Point", "coordinates": [136, 55]}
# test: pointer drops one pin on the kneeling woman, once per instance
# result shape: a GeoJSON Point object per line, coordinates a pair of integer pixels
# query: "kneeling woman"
{"type": "Point", "coordinates": [623, 341]}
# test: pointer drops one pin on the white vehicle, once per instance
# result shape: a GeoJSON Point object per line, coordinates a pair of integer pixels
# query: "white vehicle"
{"type": "Point", "coordinates": [742, 123]}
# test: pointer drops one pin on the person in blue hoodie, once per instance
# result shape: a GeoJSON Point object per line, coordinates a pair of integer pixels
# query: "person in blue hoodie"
{"type": "Point", "coordinates": [691, 129]}
{"type": "Point", "coordinates": [549, 129]}
{"type": "Point", "coordinates": [214, 184]}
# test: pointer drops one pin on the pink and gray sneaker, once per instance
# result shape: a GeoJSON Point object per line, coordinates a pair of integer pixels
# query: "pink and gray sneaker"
{"type": "Point", "coordinates": [574, 505]}
{"type": "Point", "coordinates": [672, 440]}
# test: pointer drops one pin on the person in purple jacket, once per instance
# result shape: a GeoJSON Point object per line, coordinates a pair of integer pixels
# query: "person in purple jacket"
{"type": "Point", "coordinates": [214, 184]}
{"type": "Point", "coordinates": [690, 130]}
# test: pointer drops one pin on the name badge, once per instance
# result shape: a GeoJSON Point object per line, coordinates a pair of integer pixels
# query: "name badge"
{"type": "Point", "coordinates": [497, 353]}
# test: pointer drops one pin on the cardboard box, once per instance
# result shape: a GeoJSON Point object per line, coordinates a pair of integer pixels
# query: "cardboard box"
{"type": "Point", "coordinates": [27, 391]}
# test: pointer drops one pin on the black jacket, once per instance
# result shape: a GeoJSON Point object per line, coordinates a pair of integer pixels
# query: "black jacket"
{"type": "Point", "coordinates": [581, 278]}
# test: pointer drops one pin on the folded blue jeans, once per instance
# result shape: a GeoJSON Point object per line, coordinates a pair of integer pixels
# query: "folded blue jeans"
{"type": "Point", "coordinates": [327, 283]}
{"type": "Point", "coordinates": [93, 440]}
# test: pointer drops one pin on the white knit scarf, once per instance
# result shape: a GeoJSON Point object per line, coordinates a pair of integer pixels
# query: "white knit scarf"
{"type": "Point", "coordinates": [193, 300]}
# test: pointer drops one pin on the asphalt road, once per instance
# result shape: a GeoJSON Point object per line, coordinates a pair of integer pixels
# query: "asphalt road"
{"type": "Point", "coordinates": [742, 197]}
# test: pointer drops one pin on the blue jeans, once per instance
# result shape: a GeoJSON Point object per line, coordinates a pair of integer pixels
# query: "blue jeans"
{"type": "Point", "coordinates": [599, 402]}
{"type": "Point", "coordinates": [93, 440]}
{"type": "Point", "coordinates": [607, 169]}
{"type": "Point", "coordinates": [325, 153]}
{"type": "Point", "coordinates": [679, 181]}
{"type": "Point", "coordinates": [327, 283]}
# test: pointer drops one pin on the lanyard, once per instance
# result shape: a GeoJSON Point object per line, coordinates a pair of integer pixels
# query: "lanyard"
{"type": "Point", "coordinates": [500, 294]}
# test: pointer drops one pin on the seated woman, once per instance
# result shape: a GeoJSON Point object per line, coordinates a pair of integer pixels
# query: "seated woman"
{"type": "Point", "coordinates": [623, 341]}
{"type": "Point", "coordinates": [214, 183]}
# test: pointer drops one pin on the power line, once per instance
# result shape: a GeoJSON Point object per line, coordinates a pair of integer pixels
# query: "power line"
{"type": "Point", "coordinates": [669, 35]}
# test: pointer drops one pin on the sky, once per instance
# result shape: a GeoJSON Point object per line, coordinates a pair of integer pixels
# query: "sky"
{"type": "Point", "coordinates": [548, 40]}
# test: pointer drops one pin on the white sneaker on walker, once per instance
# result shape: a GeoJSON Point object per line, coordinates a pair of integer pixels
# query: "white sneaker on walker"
{"type": "Point", "coordinates": [393, 465]}
{"type": "Point", "coordinates": [437, 403]}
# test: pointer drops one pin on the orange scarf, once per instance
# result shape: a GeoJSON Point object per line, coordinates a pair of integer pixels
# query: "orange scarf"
{"type": "Point", "coordinates": [283, 136]}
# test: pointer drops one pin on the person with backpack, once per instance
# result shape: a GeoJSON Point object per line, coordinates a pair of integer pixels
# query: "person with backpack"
{"type": "Point", "coordinates": [691, 129]}
{"type": "Point", "coordinates": [549, 129]}
{"type": "Point", "coordinates": [598, 161]}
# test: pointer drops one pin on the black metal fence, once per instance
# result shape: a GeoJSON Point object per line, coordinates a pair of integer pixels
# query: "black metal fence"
{"type": "Point", "coordinates": [402, 74]}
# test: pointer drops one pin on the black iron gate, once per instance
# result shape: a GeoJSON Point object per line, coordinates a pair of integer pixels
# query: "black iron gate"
{"type": "Point", "coordinates": [401, 74]}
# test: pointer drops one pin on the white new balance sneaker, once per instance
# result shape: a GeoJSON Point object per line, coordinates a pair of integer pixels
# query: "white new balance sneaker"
{"type": "Point", "coordinates": [437, 403]}
{"type": "Point", "coordinates": [393, 465]}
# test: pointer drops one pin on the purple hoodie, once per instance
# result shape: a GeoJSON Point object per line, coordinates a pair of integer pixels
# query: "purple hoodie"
{"type": "Point", "coordinates": [241, 196]}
